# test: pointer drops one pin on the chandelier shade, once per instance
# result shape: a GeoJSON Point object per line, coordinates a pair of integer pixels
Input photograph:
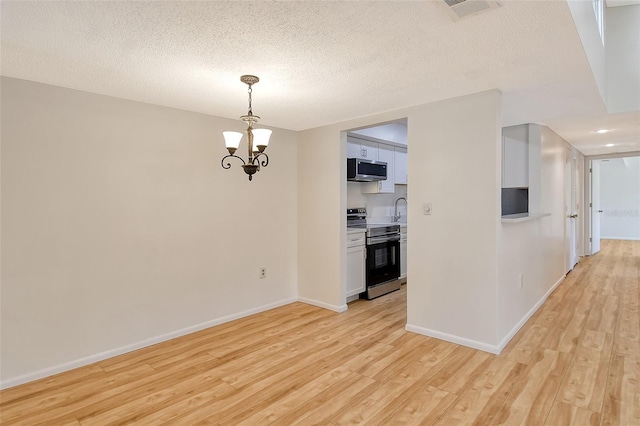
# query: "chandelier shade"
{"type": "Point", "coordinates": [232, 139]}
{"type": "Point", "coordinates": [261, 139]}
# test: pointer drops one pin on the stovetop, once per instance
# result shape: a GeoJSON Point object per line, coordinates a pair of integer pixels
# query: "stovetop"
{"type": "Point", "coordinates": [357, 218]}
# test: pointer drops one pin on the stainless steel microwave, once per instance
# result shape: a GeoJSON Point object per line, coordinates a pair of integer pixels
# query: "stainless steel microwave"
{"type": "Point", "coordinates": [359, 170]}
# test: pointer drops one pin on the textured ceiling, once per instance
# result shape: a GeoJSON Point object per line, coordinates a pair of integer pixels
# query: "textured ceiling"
{"type": "Point", "coordinates": [319, 62]}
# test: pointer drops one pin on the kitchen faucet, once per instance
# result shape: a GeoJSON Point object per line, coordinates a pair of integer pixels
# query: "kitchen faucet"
{"type": "Point", "coordinates": [396, 216]}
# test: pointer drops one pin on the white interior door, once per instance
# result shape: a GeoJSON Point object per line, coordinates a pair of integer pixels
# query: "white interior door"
{"type": "Point", "coordinates": [595, 206]}
{"type": "Point", "coordinates": [571, 221]}
{"type": "Point", "coordinates": [575, 251]}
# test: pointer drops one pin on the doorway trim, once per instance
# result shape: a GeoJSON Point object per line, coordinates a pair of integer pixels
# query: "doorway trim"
{"type": "Point", "coordinates": [588, 208]}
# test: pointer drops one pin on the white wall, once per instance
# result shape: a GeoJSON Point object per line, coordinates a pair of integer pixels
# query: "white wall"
{"type": "Point", "coordinates": [623, 51]}
{"type": "Point", "coordinates": [620, 198]}
{"type": "Point", "coordinates": [322, 222]}
{"type": "Point", "coordinates": [534, 248]}
{"type": "Point", "coordinates": [120, 228]}
{"type": "Point", "coordinates": [379, 206]}
{"type": "Point", "coordinates": [454, 163]}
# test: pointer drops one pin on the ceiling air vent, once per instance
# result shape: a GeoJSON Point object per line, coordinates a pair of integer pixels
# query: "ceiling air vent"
{"type": "Point", "coordinates": [464, 8]}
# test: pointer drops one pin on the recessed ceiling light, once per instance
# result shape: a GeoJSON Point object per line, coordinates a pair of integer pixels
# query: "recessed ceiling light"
{"type": "Point", "coordinates": [609, 144]}
{"type": "Point", "coordinates": [602, 131]}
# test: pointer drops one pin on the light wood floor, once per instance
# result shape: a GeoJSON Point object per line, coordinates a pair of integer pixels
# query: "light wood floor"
{"type": "Point", "coordinates": [577, 361]}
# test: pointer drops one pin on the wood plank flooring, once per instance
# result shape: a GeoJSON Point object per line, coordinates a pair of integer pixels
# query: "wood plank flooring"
{"type": "Point", "coordinates": [576, 362]}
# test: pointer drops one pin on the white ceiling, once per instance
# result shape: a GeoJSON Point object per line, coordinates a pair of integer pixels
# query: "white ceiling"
{"type": "Point", "coordinates": [319, 62]}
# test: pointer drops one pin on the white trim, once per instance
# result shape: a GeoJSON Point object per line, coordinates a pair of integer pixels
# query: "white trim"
{"type": "Point", "coordinates": [528, 315]}
{"type": "Point", "coordinates": [81, 362]}
{"type": "Point", "coordinates": [619, 238]}
{"type": "Point", "coordinates": [494, 349]}
{"type": "Point", "coordinates": [453, 339]}
{"type": "Point", "coordinates": [352, 298]}
{"type": "Point", "coordinates": [522, 217]}
{"type": "Point", "coordinates": [319, 304]}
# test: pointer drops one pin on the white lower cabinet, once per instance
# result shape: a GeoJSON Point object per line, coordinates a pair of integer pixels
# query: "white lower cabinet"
{"type": "Point", "coordinates": [356, 254]}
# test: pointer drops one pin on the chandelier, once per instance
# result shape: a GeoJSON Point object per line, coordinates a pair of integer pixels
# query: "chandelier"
{"type": "Point", "coordinates": [257, 139]}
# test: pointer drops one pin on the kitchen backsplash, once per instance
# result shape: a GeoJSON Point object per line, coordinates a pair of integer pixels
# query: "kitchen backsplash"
{"type": "Point", "coordinates": [379, 206]}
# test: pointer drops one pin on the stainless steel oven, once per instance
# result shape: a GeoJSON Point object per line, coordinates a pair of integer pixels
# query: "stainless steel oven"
{"type": "Point", "coordinates": [382, 269]}
{"type": "Point", "coordinates": [383, 260]}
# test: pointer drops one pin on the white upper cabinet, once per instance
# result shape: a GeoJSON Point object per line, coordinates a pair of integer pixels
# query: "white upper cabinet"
{"type": "Point", "coordinates": [360, 148]}
{"type": "Point", "coordinates": [400, 165]}
{"type": "Point", "coordinates": [515, 157]}
{"type": "Point", "coordinates": [386, 154]}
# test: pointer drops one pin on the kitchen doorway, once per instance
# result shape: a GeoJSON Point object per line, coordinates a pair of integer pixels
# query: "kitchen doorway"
{"type": "Point", "coordinates": [382, 201]}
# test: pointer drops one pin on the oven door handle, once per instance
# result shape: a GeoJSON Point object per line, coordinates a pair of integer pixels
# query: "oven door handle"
{"type": "Point", "coordinates": [385, 239]}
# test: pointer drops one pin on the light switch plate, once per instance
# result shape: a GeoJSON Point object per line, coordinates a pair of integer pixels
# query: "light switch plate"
{"type": "Point", "coordinates": [427, 208]}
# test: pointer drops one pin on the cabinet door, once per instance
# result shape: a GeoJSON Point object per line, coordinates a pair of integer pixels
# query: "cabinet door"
{"type": "Point", "coordinates": [515, 157]}
{"type": "Point", "coordinates": [400, 165]}
{"type": "Point", "coordinates": [355, 270]}
{"type": "Point", "coordinates": [370, 150]}
{"type": "Point", "coordinates": [403, 258]}
{"type": "Point", "coordinates": [386, 154]}
{"type": "Point", "coordinates": [354, 150]}
{"type": "Point", "coordinates": [359, 148]}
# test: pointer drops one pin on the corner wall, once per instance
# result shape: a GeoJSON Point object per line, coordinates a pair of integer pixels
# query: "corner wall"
{"type": "Point", "coordinates": [121, 229]}
{"type": "Point", "coordinates": [587, 27]}
{"type": "Point", "coordinates": [623, 51]}
{"type": "Point", "coordinates": [453, 163]}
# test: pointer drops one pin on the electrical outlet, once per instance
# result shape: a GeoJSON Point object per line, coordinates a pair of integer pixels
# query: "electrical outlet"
{"type": "Point", "coordinates": [263, 272]}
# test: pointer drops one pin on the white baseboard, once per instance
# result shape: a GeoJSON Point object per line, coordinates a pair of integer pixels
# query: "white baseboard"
{"type": "Point", "coordinates": [29, 377]}
{"type": "Point", "coordinates": [494, 349]}
{"type": "Point", "coordinates": [528, 315]}
{"type": "Point", "coordinates": [319, 304]}
{"type": "Point", "coordinates": [620, 238]}
{"type": "Point", "coordinates": [453, 339]}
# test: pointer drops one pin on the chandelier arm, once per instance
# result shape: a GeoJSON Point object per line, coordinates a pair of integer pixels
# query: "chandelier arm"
{"type": "Point", "coordinates": [263, 163]}
{"type": "Point", "coordinates": [228, 165]}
